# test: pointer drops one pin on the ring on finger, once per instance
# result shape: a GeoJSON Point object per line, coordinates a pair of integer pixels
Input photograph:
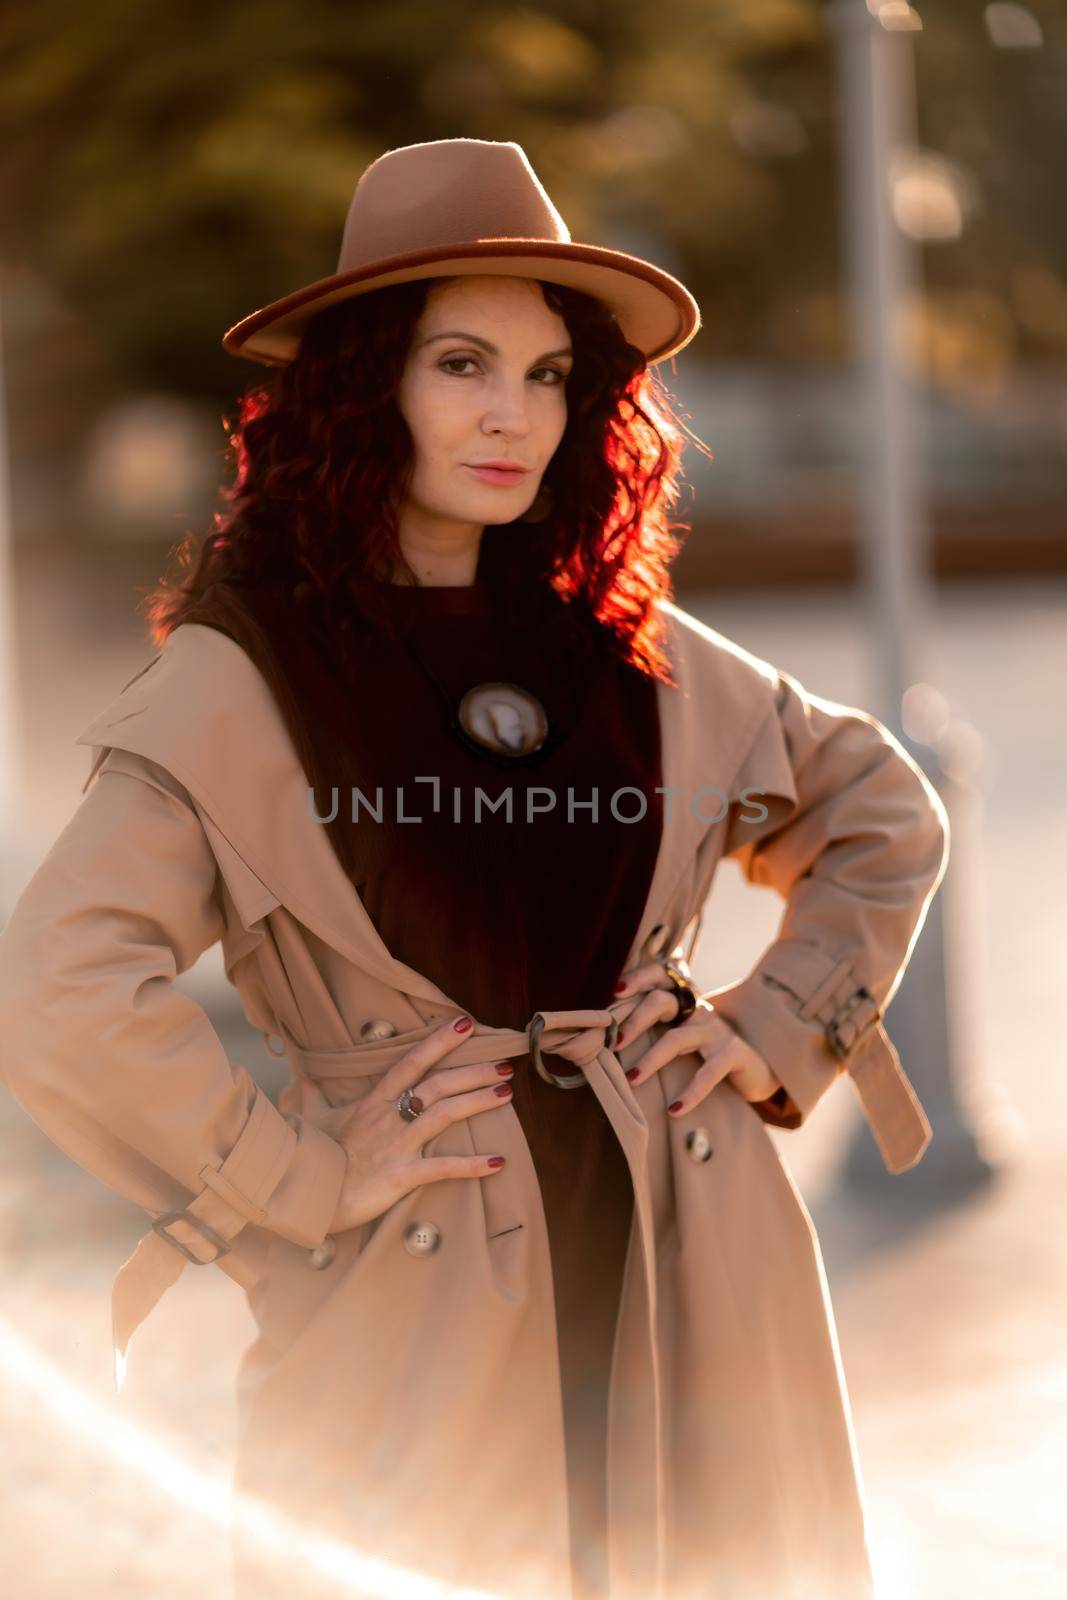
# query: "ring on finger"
{"type": "Point", "coordinates": [409, 1105]}
{"type": "Point", "coordinates": [684, 988]}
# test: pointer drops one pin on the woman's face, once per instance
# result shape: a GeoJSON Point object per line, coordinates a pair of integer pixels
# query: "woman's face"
{"type": "Point", "coordinates": [483, 382]}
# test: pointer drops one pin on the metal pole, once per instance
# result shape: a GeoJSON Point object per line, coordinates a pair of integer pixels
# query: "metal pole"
{"type": "Point", "coordinates": [10, 760]}
{"type": "Point", "coordinates": [877, 97]}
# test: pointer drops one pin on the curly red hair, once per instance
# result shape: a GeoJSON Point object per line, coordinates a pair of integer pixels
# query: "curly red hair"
{"type": "Point", "coordinates": [322, 450]}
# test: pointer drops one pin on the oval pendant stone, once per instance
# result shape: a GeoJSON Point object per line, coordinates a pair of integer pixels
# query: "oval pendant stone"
{"type": "Point", "coordinates": [504, 718]}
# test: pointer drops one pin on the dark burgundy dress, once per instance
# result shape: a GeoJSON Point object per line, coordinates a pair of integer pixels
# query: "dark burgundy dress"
{"type": "Point", "coordinates": [512, 918]}
{"type": "Point", "coordinates": [509, 918]}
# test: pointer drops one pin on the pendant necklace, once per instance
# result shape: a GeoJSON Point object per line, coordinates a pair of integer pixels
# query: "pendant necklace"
{"type": "Point", "coordinates": [500, 721]}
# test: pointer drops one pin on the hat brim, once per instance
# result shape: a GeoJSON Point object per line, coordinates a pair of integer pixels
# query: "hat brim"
{"type": "Point", "coordinates": [654, 310]}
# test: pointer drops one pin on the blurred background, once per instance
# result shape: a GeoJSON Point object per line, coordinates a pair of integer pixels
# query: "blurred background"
{"type": "Point", "coordinates": [868, 201]}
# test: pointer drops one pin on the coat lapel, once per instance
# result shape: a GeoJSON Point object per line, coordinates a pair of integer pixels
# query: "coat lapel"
{"type": "Point", "coordinates": [707, 725]}
{"type": "Point", "coordinates": [202, 710]}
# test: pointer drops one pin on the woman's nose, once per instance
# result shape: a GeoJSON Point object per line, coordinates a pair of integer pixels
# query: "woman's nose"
{"type": "Point", "coordinates": [508, 409]}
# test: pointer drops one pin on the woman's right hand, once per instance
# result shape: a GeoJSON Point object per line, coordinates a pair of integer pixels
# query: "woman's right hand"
{"type": "Point", "coordinates": [385, 1160]}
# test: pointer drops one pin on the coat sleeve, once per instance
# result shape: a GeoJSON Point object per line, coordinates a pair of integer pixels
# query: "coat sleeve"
{"type": "Point", "coordinates": [118, 1067]}
{"type": "Point", "coordinates": [855, 840]}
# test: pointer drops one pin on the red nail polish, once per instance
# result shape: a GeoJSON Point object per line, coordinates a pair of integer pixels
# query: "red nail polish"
{"type": "Point", "coordinates": [675, 1105]}
{"type": "Point", "coordinates": [462, 1025]}
{"type": "Point", "coordinates": [502, 1089]}
{"type": "Point", "coordinates": [632, 1073]}
{"type": "Point", "coordinates": [620, 1038]}
{"type": "Point", "coordinates": [496, 1161]}
{"type": "Point", "coordinates": [505, 1069]}
{"type": "Point", "coordinates": [620, 986]}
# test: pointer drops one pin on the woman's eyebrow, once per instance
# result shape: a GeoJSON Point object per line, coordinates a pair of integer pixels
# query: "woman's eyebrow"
{"type": "Point", "coordinates": [472, 338]}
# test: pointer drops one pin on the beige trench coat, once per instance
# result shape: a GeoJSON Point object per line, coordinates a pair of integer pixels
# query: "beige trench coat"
{"type": "Point", "coordinates": [405, 1398]}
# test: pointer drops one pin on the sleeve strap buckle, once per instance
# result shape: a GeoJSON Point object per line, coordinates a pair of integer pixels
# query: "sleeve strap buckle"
{"type": "Point", "coordinates": [160, 1225]}
{"type": "Point", "coordinates": [847, 1026]}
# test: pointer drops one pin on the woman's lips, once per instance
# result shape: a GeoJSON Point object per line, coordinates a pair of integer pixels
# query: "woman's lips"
{"type": "Point", "coordinates": [498, 474]}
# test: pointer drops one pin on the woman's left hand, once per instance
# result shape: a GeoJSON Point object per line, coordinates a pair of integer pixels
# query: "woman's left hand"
{"type": "Point", "coordinates": [726, 1054]}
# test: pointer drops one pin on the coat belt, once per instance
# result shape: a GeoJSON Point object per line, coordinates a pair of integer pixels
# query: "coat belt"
{"type": "Point", "coordinates": [578, 1036]}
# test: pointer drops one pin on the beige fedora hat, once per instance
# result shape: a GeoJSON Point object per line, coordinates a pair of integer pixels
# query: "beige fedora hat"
{"type": "Point", "coordinates": [469, 206]}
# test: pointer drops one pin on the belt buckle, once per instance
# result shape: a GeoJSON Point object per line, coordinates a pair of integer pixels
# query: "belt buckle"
{"type": "Point", "coordinates": [535, 1028]}
{"type": "Point", "coordinates": [844, 1018]}
{"type": "Point", "coordinates": [160, 1224]}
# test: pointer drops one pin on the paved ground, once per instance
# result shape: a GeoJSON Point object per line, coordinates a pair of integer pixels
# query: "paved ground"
{"type": "Point", "coordinates": [950, 1315]}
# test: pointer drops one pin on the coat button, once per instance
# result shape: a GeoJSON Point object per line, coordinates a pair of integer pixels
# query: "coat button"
{"type": "Point", "coordinates": [698, 1144]}
{"type": "Point", "coordinates": [323, 1253]}
{"type": "Point", "coordinates": [421, 1238]}
{"type": "Point", "coordinates": [377, 1028]}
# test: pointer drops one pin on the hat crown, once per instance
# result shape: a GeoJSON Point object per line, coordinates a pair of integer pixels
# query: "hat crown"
{"type": "Point", "coordinates": [446, 192]}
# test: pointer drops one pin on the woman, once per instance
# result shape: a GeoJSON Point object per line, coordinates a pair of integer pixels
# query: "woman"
{"type": "Point", "coordinates": [539, 1310]}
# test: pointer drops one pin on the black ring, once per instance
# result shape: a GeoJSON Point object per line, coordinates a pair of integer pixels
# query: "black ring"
{"type": "Point", "coordinates": [687, 1002]}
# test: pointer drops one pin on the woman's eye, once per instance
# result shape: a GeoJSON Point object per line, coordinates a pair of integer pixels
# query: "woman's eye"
{"type": "Point", "coordinates": [463, 367]}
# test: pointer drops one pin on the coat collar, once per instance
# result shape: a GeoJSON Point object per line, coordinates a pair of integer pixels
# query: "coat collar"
{"type": "Point", "coordinates": [202, 710]}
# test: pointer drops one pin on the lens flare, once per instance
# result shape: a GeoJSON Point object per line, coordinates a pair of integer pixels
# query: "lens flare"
{"type": "Point", "coordinates": [209, 1495]}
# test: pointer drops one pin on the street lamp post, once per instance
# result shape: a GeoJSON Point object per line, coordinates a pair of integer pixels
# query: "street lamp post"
{"type": "Point", "coordinates": [927, 1018]}
{"type": "Point", "coordinates": [10, 763]}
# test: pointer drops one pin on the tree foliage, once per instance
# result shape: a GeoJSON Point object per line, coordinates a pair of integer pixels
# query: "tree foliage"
{"type": "Point", "coordinates": [167, 165]}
